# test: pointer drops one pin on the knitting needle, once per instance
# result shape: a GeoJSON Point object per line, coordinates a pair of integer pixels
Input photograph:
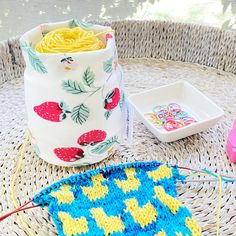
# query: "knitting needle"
{"type": "Point", "coordinates": [204, 180]}
{"type": "Point", "coordinates": [202, 171]}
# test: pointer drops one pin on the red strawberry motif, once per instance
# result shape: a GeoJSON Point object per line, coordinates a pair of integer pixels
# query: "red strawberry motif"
{"type": "Point", "coordinates": [112, 99]}
{"type": "Point", "coordinates": [92, 137]}
{"type": "Point", "coordinates": [70, 154]}
{"type": "Point", "coordinates": [108, 36]}
{"type": "Point", "coordinates": [52, 111]}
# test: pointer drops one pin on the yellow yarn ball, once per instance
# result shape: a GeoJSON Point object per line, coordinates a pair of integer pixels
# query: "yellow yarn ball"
{"type": "Point", "coordinates": [65, 40]}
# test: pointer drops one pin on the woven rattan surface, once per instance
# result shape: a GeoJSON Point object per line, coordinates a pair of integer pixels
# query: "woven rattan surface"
{"type": "Point", "coordinates": [153, 40]}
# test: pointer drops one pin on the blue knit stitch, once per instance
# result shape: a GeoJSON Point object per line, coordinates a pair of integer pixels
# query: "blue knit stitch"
{"type": "Point", "coordinates": [114, 202]}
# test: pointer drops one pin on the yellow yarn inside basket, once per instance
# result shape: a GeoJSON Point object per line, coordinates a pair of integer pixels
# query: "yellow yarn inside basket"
{"type": "Point", "coordinates": [65, 40]}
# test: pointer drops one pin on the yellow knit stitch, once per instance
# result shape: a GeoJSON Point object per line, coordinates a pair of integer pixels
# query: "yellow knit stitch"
{"type": "Point", "coordinates": [98, 190]}
{"type": "Point", "coordinates": [64, 195]}
{"type": "Point", "coordinates": [179, 234]}
{"type": "Point", "coordinates": [172, 203]}
{"type": "Point", "coordinates": [72, 226]}
{"type": "Point", "coordinates": [193, 226]}
{"type": "Point", "coordinates": [143, 215]}
{"type": "Point", "coordinates": [161, 233]}
{"type": "Point", "coordinates": [131, 183]}
{"type": "Point", "coordinates": [109, 224]}
{"type": "Point", "coordinates": [162, 172]}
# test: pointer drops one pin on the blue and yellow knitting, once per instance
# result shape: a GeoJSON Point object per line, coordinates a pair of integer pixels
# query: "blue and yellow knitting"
{"type": "Point", "coordinates": [129, 199]}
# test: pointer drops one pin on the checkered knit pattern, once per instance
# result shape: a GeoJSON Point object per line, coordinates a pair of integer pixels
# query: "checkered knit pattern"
{"type": "Point", "coordinates": [130, 199]}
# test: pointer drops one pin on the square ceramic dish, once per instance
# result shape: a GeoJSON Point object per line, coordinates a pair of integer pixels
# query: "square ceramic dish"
{"type": "Point", "coordinates": [191, 100]}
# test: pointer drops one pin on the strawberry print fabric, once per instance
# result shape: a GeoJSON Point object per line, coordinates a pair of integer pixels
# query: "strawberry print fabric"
{"type": "Point", "coordinates": [73, 100]}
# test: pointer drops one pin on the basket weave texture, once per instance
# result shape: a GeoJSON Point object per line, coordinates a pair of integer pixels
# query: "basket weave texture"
{"type": "Point", "coordinates": [152, 54]}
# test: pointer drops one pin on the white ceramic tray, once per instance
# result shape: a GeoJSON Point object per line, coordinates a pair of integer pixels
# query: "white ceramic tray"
{"type": "Point", "coordinates": [206, 112]}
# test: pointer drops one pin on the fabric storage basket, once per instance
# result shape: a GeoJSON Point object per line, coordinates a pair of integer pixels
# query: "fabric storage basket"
{"type": "Point", "coordinates": [74, 101]}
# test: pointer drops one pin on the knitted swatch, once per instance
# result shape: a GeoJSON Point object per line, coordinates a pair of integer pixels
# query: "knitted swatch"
{"type": "Point", "coordinates": [129, 199]}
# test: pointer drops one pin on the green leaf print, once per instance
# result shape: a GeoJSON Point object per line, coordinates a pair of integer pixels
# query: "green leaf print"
{"type": "Point", "coordinates": [103, 147]}
{"type": "Point", "coordinates": [33, 58]}
{"type": "Point", "coordinates": [75, 23]}
{"type": "Point", "coordinates": [107, 65]}
{"type": "Point", "coordinates": [74, 87]}
{"type": "Point", "coordinates": [107, 114]}
{"type": "Point", "coordinates": [110, 94]}
{"type": "Point", "coordinates": [122, 99]}
{"type": "Point", "coordinates": [88, 77]}
{"type": "Point", "coordinates": [80, 114]}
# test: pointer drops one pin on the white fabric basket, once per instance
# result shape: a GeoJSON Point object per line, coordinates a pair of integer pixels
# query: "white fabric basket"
{"type": "Point", "coordinates": [75, 100]}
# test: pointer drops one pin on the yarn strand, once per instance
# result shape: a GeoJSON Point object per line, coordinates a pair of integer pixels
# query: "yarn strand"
{"type": "Point", "coordinates": [12, 185]}
{"type": "Point", "coordinates": [207, 172]}
{"type": "Point", "coordinates": [219, 204]}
